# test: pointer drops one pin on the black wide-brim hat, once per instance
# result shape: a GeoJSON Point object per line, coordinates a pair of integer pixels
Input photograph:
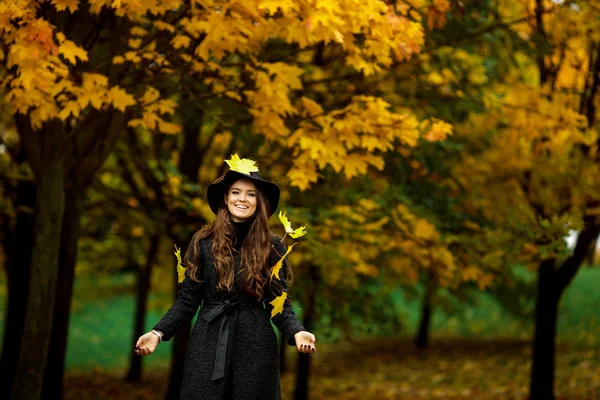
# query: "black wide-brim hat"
{"type": "Point", "coordinates": [216, 190]}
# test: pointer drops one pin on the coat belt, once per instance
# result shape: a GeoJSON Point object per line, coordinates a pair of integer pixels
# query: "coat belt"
{"type": "Point", "coordinates": [227, 308]}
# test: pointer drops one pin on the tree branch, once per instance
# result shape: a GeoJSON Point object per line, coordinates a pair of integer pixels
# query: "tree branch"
{"type": "Point", "coordinates": [539, 11]}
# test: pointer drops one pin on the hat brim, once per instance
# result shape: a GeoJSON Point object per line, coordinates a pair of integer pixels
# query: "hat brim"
{"type": "Point", "coordinates": [215, 192]}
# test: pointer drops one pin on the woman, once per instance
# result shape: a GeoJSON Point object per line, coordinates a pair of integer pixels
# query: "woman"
{"type": "Point", "coordinates": [232, 352]}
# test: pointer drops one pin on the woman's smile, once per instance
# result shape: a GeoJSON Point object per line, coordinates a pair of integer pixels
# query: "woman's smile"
{"type": "Point", "coordinates": [241, 200]}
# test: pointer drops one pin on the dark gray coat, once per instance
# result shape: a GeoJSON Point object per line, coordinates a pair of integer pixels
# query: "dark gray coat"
{"type": "Point", "coordinates": [250, 356]}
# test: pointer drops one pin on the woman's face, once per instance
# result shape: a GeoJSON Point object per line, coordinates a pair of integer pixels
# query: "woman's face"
{"type": "Point", "coordinates": [241, 200]}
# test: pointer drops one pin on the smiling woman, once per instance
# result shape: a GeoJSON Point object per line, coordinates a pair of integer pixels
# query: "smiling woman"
{"type": "Point", "coordinates": [236, 269]}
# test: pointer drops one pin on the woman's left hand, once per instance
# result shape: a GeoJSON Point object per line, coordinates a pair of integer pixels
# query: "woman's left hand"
{"type": "Point", "coordinates": [305, 342]}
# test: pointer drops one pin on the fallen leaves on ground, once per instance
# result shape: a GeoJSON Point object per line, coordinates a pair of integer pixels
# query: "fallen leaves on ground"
{"type": "Point", "coordinates": [393, 369]}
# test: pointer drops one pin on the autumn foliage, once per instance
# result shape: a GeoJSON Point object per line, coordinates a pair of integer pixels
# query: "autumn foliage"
{"type": "Point", "coordinates": [221, 43]}
{"type": "Point", "coordinates": [420, 142]}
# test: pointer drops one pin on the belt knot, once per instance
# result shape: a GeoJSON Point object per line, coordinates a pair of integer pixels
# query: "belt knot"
{"type": "Point", "coordinates": [226, 307]}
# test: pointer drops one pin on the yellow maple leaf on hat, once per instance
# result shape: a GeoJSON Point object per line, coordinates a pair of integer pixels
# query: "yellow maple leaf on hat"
{"type": "Point", "coordinates": [243, 165]}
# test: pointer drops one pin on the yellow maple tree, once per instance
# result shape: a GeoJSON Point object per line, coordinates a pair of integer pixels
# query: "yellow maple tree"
{"type": "Point", "coordinates": [84, 83]}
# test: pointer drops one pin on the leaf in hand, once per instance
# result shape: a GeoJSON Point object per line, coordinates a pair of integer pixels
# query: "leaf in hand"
{"type": "Point", "coordinates": [277, 267]}
{"type": "Point", "coordinates": [277, 304]}
{"type": "Point", "coordinates": [244, 165]}
{"type": "Point", "coordinates": [180, 269]}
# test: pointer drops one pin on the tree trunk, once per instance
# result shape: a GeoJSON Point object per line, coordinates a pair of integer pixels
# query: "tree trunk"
{"type": "Point", "coordinates": [189, 163]}
{"type": "Point", "coordinates": [302, 376]}
{"type": "Point", "coordinates": [44, 272]}
{"type": "Point", "coordinates": [591, 257]}
{"type": "Point", "coordinates": [282, 346]}
{"type": "Point", "coordinates": [552, 282]}
{"type": "Point", "coordinates": [422, 338]}
{"type": "Point", "coordinates": [143, 288]}
{"type": "Point", "coordinates": [303, 371]}
{"type": "Point", "coordinates": [18, 247]}
{"type": "Point", "coordinates": [544, 339]}
{"type": "Point", "coordinates": [71, 228]}
{"type": "Point", "coordinates": [180, 341]}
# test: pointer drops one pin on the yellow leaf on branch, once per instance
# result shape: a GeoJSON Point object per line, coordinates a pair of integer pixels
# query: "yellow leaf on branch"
{"type": "Point", "coordinates": [311, 106]}
{"type": "Point", "coordinates": [64, 4]}
{"type": "Point", "coordinates": [425, 230]}
{"type": "Point", "coordinates": [164, 26]}
{"type": "Point", "coordinates": [180, 41]}
{"type": "Point", "coordinates": [71, 52]}
{"type": "Point", "coordinates": [439, 130]}
{"type": "Point", "coordinates": [120, 98]}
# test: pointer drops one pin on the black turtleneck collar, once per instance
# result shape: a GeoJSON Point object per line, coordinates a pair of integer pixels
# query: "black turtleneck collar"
{"type": "Point", "coordinates": [241, 231]}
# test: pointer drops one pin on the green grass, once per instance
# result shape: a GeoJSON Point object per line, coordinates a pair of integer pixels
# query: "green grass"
{"type": "Point", "coordinates": [578, 320]}
{"type": "Point", "coordinates": [100, 335]}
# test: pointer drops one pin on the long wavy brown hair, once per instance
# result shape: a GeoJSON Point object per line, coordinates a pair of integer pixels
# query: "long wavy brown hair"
{"type": "Point", "coordinates": [255, 249]}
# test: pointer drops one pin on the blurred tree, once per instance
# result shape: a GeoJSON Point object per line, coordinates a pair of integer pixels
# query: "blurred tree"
{"type": "Point", "coordinates": [529, 167]}
{"type": "Point", "coordinates": [107, 74]}
{"type": "Point", "coordinates": [17, 202]}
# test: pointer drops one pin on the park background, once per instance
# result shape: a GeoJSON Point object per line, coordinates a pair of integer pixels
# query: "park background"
{"type": "Point", "coordinates": [443, 155]}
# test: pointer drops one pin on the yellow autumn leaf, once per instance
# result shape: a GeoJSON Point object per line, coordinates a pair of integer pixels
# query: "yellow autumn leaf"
{"type": "Point", "coordinates": [120, 98]}
{"type": "Point", "coordinates": [168, 128]}
{"type": "Point", "coordinates": [286, 223]}
{"type": "Point", "coordinates": [298, 232]}
{"type": "Point", "coordinates": [425, 230]}
{"type": "Point", "coordinates": [244, 165]}
{"type": "Point", "coordinates": [133, 57]}
{"type": "Point", "coordinates": [71, 52]}
{"type": "Point", "coordinates": [134, 43]}
{"type": "Point", "coordinates": [277, 304]}
{"type": "Point", "coordinates": [180, 41]}
{"type": "Point", "coordinates": [150, 95]}
{"type": "Point", "coordinates": [314, 109]}
{"type": "Point", "coordinates": [180, 269]}
{"type": "Point", "coordinates": [295, 233]}
{"type": "Point", "coordinates": [277, 267]}
{"type": "Point", "coordinates": [438, 130]}
{"type": "Point", "coordinates": [118, 60]}
{"type": "Point", "coordinates": [70, 107]}
{"type": "Point", "coordinates": [163, 26]}
{"type": "Point", "coordinates": [138, 31]}
{"type": "Point", "coordinates": [64, 4]}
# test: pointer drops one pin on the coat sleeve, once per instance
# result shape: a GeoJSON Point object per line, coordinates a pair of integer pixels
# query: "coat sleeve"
{"type": "Point", "coordinates": [189, 297]}
{"type": "Point", "coordinates": [286, 321]}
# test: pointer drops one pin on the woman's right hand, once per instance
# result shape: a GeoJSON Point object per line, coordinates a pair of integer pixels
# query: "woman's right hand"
{"type": "Point", "coordinates": [146, 344]}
